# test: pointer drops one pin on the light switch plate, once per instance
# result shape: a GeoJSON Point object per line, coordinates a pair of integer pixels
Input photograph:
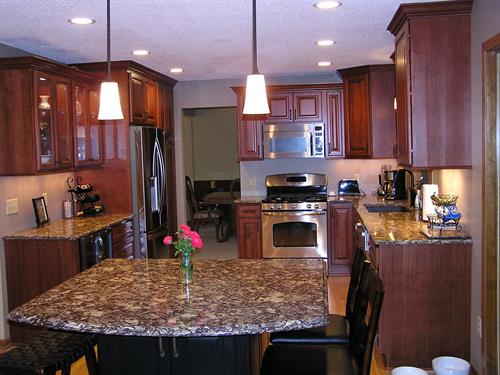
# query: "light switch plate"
{"type": "Point", "coordinates": [11, 206]}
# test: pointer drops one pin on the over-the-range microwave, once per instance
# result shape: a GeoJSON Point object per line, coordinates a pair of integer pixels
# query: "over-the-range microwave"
{"type": "Point", "coordinates": [291, 140]}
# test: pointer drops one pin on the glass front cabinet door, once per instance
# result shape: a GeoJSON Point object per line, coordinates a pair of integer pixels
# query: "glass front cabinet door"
{"type": "Point", "coordinates": [87, 132]}
{"type": "Point", "coordinates": [53, 122]}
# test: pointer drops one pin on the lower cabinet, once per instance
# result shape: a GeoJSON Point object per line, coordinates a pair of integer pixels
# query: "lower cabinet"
{"type": "Point", "coordinates": [249, 230]}
{"type": "Point", "coordinates": [223, 355]}
{"type": "Point", "coordinates": [122, 235]}
{"type": "Point", "coordinates": [426, 310]}
{"type": "Point", "coordinates": [341, 240]}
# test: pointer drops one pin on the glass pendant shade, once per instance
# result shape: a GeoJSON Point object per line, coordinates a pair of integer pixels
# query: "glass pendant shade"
{"type": "Point", "coordinates": [256, 96]}
{"type": "Point", "coordinates": [109, 103]}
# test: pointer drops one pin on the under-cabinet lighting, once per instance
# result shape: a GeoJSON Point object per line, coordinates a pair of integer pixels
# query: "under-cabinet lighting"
{"type": "Point", "coordinates": [327, 4]}
{"type": "Point", "coordinates": [81, 21]}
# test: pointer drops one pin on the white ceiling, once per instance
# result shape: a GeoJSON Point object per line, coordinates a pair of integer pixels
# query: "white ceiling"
{"type": "Point", "coordinates": [210, 39]}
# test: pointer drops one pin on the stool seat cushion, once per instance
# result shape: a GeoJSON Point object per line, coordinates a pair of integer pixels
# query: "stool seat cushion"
{"type": "Point", "coordinates": [50, 351]}
{"type": "Point", "coordinates": [336, 332]}
{"type": "Point", "coordinates": [308, 359]}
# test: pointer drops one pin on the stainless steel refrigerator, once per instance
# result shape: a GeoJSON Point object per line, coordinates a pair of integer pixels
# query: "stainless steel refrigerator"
{"type": "Point", "coordinates": [149, 191]}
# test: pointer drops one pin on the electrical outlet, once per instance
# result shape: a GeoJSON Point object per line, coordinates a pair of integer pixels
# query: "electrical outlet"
{"type": "Point", "coordinates": [478, 325]}
{"type": "Point", "coordinates": [355, 176]}
{"type": "Point", "coordinates": [253, 181]}
{"type": "Point", "coordinates": [11, 207]}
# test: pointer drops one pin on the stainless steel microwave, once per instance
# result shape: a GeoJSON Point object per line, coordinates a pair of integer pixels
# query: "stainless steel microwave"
{"type": "Point", "coordinates": [290, 140]}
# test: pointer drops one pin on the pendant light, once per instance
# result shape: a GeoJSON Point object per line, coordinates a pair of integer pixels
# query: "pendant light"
{"type": "Point", "coordinates": [109, 104]}
{"type": "Point", "coordinates": [255, 95]}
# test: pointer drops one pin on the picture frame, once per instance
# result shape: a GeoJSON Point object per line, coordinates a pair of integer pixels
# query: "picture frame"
{"type": "Point", "coordinates": [40, 208]}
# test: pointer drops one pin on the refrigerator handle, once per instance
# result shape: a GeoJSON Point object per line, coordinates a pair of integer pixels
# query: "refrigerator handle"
{"type": "Point", "coordinates": [163, 179]}
{"type": "Point", "coordinates": [154, 181]}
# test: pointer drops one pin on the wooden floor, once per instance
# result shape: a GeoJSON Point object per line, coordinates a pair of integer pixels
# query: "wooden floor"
{"type": "Point", "coordinates": [337, 294]}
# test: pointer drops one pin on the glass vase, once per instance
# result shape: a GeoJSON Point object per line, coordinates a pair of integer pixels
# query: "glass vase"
{"type": "Point", "coordinates": [186, 266]}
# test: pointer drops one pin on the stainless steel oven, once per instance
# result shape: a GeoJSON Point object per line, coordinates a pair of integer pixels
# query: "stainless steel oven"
{"type": "Point", "coordinates": [294, 234]}
{"type": "Point", "coordinates": [294, 223]}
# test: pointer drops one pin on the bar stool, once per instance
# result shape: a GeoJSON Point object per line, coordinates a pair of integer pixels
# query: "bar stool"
{"type": "Point", "coordinates": [50, 352]}
{"type": "Point", "coordinates": [337, 330]}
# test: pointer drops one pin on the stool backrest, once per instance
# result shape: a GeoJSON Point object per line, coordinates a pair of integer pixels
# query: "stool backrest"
{"type": "Point", "coordinates": [366, 317]}
{"type": "Point", "coordinates": [357, 267]}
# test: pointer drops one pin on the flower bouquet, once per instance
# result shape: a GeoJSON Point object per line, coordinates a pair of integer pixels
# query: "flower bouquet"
{"type": "Point", "coordinates": [187, 242]}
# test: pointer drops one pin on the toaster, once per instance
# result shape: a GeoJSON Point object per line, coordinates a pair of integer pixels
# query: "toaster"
{"type": "Point", "coordinates": [348, 187]}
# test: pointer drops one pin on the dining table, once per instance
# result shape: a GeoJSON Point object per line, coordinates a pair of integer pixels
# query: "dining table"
{"type": "Point", "coordinates": [150, 320]}
{"type": "Point", "coordinates": [224, 200]}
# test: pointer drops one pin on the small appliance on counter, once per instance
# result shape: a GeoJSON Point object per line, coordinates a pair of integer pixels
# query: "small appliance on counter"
{"type": "Point", "coordinates": [349, 187]}
{"type": "Point", "coordinates": [80, 193]}
{"type": "Point", "coordinates": [394, 187]}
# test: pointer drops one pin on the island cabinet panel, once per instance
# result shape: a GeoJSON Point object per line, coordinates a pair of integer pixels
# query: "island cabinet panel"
{"type": "Point", "coordinates": [432, 92]}
{"type": "Point", "coordinates": [33, 267]}
{"type": "Point", "coordinates": [370, 122]}
{"type": "Point", "coordinates": [426, 311]}
{"type": "Point", "coordinates": [341, 239]}
{"type": "Point", "coordinates": [320, 103]}
{"type": "Point", "coordinates": [37, 101]}
{"type": "Point", "coordinates": [122, 238]}
{"type": "Point", "coordinates": [249, 230]}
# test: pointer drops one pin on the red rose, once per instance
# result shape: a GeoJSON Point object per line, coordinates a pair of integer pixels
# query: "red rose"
{"type": "Point", "coordinates": [196, 242]}
{"type": "Point", "coordinates": [167, 240]}
{"type": "Point", "coordinates": [185, 228]}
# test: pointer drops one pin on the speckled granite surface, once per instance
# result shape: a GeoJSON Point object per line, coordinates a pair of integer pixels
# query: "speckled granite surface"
{"type": "Point", "coordinates": [147, 298]}
{"type": "Point", "coordinates": [396, 228]}
{"type": "Point", "coordinates": [68, 229]}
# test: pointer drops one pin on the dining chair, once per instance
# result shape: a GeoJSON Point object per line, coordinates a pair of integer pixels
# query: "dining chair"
{"type": "Point", "coordinates": [352, 359]}
{"type": "Point", "coordinates": [337, 330]}
{"type": "Point", "coordinates": [200, 215]}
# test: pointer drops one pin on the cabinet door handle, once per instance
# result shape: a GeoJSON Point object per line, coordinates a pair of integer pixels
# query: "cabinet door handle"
{"type": "Point", "coordinates": [290, 114]}
{"type": "Point", "coordinates": [174, 348]}
{"type": "Point", "coordinates": [161, 348]}
{"type": "Point", "coordinates": [258, 150]}
{"type": "Point", "coordinates": [295, 114]}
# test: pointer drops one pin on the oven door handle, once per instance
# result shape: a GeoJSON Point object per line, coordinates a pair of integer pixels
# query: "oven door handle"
{"type": "Point", "coordinates": [289, 213]}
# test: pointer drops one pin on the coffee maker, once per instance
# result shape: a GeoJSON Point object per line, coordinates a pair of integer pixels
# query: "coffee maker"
{"type": "Point", "coordinates": [400, 191]}
{"type": "Point", "coordinates": [385, 180]}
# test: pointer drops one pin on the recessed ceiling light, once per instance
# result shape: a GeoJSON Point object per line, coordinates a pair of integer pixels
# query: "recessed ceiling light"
{"type": "Point", "coordinates": [176, 70]}
{"type": "Point", "coordinates": [81, 21]}
{"type": "Point", "coordinates": [324, 63]}
{"type": "Point", "coordinates": [327, 4]}
{"type": "Point", "coordinates": [325, 43]}
{"type": "Point", "coordinates": [140, 52]}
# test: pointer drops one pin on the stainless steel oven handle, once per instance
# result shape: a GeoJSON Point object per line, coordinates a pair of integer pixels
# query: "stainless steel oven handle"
{"type": "Point", "coordinates": [288, 213]}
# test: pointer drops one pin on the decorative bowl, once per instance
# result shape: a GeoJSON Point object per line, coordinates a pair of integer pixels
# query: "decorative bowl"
{"type": "Point", "coordinates": [444, 199]}
{"type": "Point", "coordinates": [408, 370]}
{"type": "Point", "coordinates": [450, 366]}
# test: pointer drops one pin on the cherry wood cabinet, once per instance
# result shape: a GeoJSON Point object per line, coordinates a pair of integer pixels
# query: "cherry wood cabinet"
{"type": "Point", "coordinates": [37, 101]}
{"type": "Point", "coordinates": [341, 240]}
{"type": "Point", "coordinates": [249, 230]}
{"type": "Point", "coordinates": [122, 240]}
{"type": "Point", "coordinates": [88, 132]}
{"type": "Point", "coordinates": [293, 103]}
{"type": "Point", "coordinates": [432, 91]}
{"type": "Point", "coordinates": [370, 121]}
{"type": "Point", "coordinates": [143, 100]}
{"type": "Point", "coordinates": [302, 106]}
{"type": "Point", "coordinates": [114, 179]}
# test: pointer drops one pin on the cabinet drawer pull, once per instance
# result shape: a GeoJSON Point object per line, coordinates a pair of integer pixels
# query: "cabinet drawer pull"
{"type": "Point", "coordinates": [290, 114]}
{"type": "Point", "coordinates": [161, 347]}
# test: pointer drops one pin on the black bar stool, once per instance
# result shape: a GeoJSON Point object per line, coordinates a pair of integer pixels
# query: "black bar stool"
{"type": "Point", "coordinates": [50, 352]}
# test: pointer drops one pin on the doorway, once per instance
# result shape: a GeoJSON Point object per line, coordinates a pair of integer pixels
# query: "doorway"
{"type": "Point", "coordinates": [491, 204]}
{"type": "Point", "coordinates": [210, 154]}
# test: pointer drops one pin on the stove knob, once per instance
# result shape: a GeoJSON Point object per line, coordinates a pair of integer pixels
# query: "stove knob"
{"type": "Point", "coordinates": [316, 205]}
{"type": "Point", "coordinates": [278, 206]}
{"type": "Point", "coordinates": [308, 205]}
{"type": "Point", "coordinates": [294, 205]}
{"type": "Point", "coordinates": [272, 206]}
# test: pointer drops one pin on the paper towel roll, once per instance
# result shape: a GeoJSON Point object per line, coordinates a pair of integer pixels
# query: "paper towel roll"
{"type": "Point", "coordinates": [427, 205]}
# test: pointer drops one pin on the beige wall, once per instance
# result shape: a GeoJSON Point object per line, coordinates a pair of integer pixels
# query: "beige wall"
{"type": "Point", "coordinates": [210, 144]}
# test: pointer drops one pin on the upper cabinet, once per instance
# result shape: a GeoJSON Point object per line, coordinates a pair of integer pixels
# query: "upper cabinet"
{"type": "Point", "coordinates": [298, 103]}
{"type": "Point", "coordinates": [432, 91]}
{"type": "Point", "coordinates": [42, 114]}
{"type": "Point", "coordinates": [143, 100]}
{"type": "Point", "coordinates": [370, 121]}
{"type": "Point", "coordinates": [303, 106]}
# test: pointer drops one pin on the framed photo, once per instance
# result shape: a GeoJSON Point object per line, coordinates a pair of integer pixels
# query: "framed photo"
{"type": "Point", "coordinates": [40, 208]}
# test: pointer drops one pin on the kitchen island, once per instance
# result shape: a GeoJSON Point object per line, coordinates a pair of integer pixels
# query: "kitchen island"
{"type": "Point", "coordinates": [149, 321]}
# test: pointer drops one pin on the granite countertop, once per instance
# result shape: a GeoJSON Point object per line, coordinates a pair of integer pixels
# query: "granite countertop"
{"type": "Point", "coordinates": [396, 228]}
{"type": "Point", "coordinates": [68, 229]}
{"type": "Point", "coordinates": [147, 298]}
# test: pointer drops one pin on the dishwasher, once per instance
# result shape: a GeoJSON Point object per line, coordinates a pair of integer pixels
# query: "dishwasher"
{"type": "Point", "coordinates": [94, 248]}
